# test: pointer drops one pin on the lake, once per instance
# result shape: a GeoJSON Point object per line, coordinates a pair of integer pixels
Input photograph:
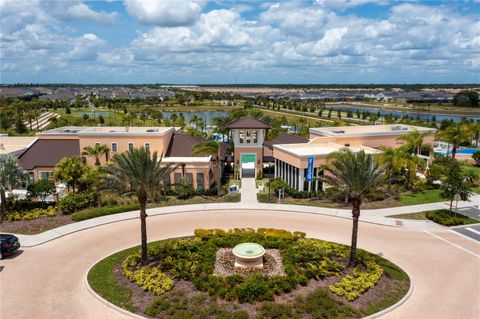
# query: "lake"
{"type": "Point", "coordinates": [412, 114]}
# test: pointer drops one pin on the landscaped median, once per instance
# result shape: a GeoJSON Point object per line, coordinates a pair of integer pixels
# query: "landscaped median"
{"type": "Point", "coordinates": [182, 280]}
{"type": "Point", "coordinates": [443, 217]}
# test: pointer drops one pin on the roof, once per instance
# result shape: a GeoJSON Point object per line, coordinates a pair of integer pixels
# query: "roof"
{"type": "Point", "coordinates": [48, 152]}
{"type": "Point", "coordinates": [248, 122]}
{"type": "Point", "coordinates": [368, 130]}
{"type": "Point", "coordinates": [321, 149]}
{"type": "Point", "coordinates": [181, 145]}
{"type": "Point", "coordinates": [285, 138]}
{"type": "Point", "coordinates": [15, 145]}
{"type": "Point", "coordinates": [109, 130]}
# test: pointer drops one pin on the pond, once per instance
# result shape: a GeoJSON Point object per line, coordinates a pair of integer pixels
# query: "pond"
{"type": "Point", "coordinates": [206, 115]}
{"type": "Point", "coordinates": [412, 114]}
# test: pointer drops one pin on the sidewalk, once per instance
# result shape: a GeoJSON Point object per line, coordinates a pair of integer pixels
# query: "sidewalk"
{"type": "Point", "coordinates": [375, 216]}
{"type": "Point", "coordinates": [248, 190]}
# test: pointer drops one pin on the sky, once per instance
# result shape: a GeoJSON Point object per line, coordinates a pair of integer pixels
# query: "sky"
{"type": "Point", "coordinates": [226, 42]}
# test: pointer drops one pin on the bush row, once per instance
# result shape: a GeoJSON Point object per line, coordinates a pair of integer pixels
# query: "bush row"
{"type": "Point", "coordinates": [102, 211]}
{"type": "Point", "coordinates": [73, 202]}
{"type": "Point", "coordinates": [31, 214]}
{"type": "Point", "coordinates": [448, 218]}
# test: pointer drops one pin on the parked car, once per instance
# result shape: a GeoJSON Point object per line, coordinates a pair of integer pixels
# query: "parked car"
{"type": "Point", "coordinates": [8, 245]}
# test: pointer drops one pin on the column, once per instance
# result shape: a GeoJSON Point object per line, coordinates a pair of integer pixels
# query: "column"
{"type": "Point", "coordinates": [301, 178]}
{"type": "Point", "coordinates": [275, 168]}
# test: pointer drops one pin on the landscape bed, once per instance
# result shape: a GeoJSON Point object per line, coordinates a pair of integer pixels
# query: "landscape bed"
{"type": "Point", "coordinates": [178, 281]}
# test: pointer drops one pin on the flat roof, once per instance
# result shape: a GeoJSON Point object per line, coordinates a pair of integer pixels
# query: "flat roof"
{"type": "Point", "coordinates": [321, 149]}
{"type": "Point", "coordinates": [15, 144]}
{"type": "Point", "coordinates": [369, 130]}
{"type": "Point", "coordinates": [109, 130]}
{"type": "Point", "coordinates": [204, 159]}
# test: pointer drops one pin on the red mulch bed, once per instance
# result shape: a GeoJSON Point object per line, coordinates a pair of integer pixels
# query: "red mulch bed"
{"type": "Point", "coordinates": [35, 226]}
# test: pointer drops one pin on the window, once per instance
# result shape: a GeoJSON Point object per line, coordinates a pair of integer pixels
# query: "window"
{"type": "Point", "coordinates": [241, 137]}
{"type": "Point", "coordinates": [45, 175]}
{"type": "Point", "coordinates": [130, 146]}
{"type": "Point", "coordinates": [147, 147]}
{"type": "Point", "coordinates": [189, 177]}
{"type": "Point", "coordinates": [114, 147]}
{"type": "Point", "coordinates": [177, 178]}
{"type": "Point", "coordinates": [248, 137]}
{"type": "Point", "coordinates": [200, 182]}
{"type": "Point", "coordinates": [255, 140]}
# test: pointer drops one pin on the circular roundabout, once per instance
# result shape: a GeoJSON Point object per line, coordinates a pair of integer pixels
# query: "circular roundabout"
{"type": "Point", "coordinates": [248, 273]}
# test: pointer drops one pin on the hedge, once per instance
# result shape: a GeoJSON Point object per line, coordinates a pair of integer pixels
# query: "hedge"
{"type": "Point", "coordinates": [448, 218]}
{"type": "Point", "coordinates": [103, 211]}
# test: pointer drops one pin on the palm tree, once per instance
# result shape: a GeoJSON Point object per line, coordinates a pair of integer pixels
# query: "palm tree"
{"type": "Point", "coordinates": [357, 174]}
{"type": "Point", "coordinates": [456, 135]}
{"type": "Point", "coordinates": [10, 174]}
{"type": "Point", "coordinates": [69, 170]}
{"type": "Point", "coordinates": [476, 132]}
{"type": "Point", "coordinates": [212, 148]}
{"type": "Point", "coordinates": [96, 152]}
{"type": "Point", "coordinates": [414, 140]}
{"type": "Point", "coordinates": [141, 172]}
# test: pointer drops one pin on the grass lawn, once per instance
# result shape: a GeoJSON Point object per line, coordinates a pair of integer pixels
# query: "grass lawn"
{"type": "Point", "coordinates": [421, 197]}
{"type": "Point", "coordinates": [415, 216]}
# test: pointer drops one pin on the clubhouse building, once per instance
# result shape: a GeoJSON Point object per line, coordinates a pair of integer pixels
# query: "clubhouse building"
{"type": "Point", "coordinates": [296, 160]}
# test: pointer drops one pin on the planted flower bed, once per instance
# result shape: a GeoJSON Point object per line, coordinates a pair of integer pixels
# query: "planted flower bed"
{"type": "Point", "coordinates": [179, 280]}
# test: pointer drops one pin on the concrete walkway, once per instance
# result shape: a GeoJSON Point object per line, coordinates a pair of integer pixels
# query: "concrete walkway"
{"type": "Point", "coordinates": [47, 281]}
{"type": "Point", "coordinates": [248, 190]}
{"type": "Point", "coordinates": [374, 216]}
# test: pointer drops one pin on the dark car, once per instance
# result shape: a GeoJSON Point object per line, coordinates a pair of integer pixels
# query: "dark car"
{"type": "Point", "coordinates": [8, 245]}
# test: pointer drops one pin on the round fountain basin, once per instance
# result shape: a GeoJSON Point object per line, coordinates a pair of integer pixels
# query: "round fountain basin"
{"type": "Point", "coordinates": [248, 255]}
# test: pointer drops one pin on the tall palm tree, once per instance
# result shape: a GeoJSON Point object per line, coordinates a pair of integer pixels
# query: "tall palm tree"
{"type": "Point", "coordinates": [69, 170]}
{"type": "Point", "coordinates": [96, 152]}
{"type": "Point", "coordinates": [212, 148]}
{"type": "Point", "coordinates": [10, 175]}
{"type": "Point", "coordinates": [414, 140]}
{"type": "Point", "coordinates": [357, 174]}
{"type": "Point", "coordinates": [475, 126]}
{"type": "Point", "coordinates": [456, 135]}
{"type": "Point", "coordinates": [141, 172]}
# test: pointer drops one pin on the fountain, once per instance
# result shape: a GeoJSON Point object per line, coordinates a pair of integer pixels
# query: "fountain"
{"type": "Point", "coordinates": [248, 255]}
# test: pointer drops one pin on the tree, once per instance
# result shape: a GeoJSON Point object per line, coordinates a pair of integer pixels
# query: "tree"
{"type": "Point", "coordinates": [69, 170]}
{"type": "Point", "coordinates": [357, 174]}
{"type": "Point", "coordinates": [476, 157]}
{"type": "Point", "coordinates": [41, 189]}
{"type": "Point", "coordinates": [141, 172]}
{"type": "Point", "coordinates": [456, 135]}
{"type": "Point", "coordinates": [10, 175]}
{"type": "Point", "coordinates": [212, 148]}
{"type": "Point", "coordinates": [454, 183]}
{"type": "Point", "coordinates": [466, 98]}
{"type": "Point", "coordinates": [413, 141]}
{"type": "Point", "coordinates": [96, 152]}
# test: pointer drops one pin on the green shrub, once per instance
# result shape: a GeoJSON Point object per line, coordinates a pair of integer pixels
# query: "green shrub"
{"type": "Point", "coordinates": [103, 211]}
{"type": "Point", "coordinates": [254, 289]}
{"type": "Point", "coordinates": [352, 286]}
{"type": "Point", "coordinates": [31, 214]}
{"type": "Point", "coordinates": [76, 201]}
{"type": "Point", "coordinates": [448, 218]}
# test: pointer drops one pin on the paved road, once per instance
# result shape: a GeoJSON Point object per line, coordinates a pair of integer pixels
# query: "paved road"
{"type": "Point", "coordinates": [46, 281]}
{"type": "Point", "coordinates": [470, 231]}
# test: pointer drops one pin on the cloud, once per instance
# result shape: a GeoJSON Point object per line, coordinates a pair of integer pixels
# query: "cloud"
{"type": "Point", "coordinates": [82, 11]}
{"type": "Point", "coordinates": [165, 13]}
{"type": "Point", "coordinates": [346, 4]}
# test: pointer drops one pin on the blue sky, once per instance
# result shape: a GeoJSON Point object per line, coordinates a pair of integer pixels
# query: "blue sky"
{"type": "Point", "coordinates": [200, 41]}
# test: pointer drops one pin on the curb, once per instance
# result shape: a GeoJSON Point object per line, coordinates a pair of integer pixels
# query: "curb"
{"type": "Point", "coordinates": [193, 210]}
{"type": "Point", "coordinates": [136, 316]}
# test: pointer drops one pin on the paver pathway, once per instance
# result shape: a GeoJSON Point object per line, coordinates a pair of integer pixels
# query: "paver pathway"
{"type": "Point", "coordinates": [248, 190]}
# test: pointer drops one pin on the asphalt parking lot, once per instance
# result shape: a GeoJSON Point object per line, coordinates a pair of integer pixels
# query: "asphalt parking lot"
{"type": "Point", "coordinates": [470, 231]}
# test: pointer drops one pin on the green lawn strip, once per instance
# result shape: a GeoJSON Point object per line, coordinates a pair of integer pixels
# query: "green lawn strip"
{"type": "Point", "coordinates": [394, 272]}
{"type": "Point", "coordinates": [447, 218]}
{"type": "Point", "coordinates": [102, 280]}
{"type": "Point", "coordinates": [170, 201]}
{"type": "Point", "coordinates": [415, 216]}
{"type": "Point", "coordinates": [421, 197]}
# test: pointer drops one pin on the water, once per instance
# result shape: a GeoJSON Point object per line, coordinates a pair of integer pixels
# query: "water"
{"type": "Point", "coordinates": [412, 114]}
{"type": "Point", "coordinates": [467, 151]}
{"type": "Point", "coordinates": [206, 115]}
